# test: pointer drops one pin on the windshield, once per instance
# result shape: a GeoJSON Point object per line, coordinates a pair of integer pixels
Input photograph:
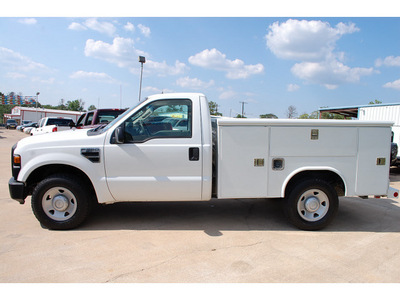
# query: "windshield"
{"type": "Point", "coordinates": [103, 128]}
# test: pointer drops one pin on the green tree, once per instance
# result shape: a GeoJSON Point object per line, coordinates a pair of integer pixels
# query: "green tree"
{"type": "Point", "coordinates": [375, 102]}
{"type": "Point", "coordinates": [214, 108]}
{"type": "Point", "coordinates": [76, 105]}
{"type": "Point", "coordinates": [291, 112]}
{"type": "Point", "coordinates": [268, 116]}
{"type": "Point", "coordinates": [91, 107]}
{"type": "Point", "coordinates": [5, 109]}
{"type": "Point", "coordinates": [313, 115]}
{"type": "Point", "coordinates": [239, 116]}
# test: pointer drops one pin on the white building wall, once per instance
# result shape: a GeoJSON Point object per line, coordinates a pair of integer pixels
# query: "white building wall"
{"type": "Point", "coordinates": [383, 113]}
{"type": "Point", "coordinates": [32, 114]}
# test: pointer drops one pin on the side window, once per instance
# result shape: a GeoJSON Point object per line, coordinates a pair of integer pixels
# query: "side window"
{"type": "Point", "coordinates": [89, 118]}
{"type": "Point", "coordinates": [160, 119]}
{"type": "Point", "coordinates": [80, 120]}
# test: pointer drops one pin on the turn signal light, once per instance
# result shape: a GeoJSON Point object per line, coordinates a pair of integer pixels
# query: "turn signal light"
{"type": "Point", "coordinates": [17, 160]}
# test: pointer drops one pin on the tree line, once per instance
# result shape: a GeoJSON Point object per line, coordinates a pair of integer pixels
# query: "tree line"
{"type": "Point", "coordinates": [291, 113]}
{"type": "Point", "coordinates": [73, 105]}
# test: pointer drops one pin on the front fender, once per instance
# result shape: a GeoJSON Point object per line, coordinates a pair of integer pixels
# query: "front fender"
{"type": "Point", "coordinates": [93, 170]}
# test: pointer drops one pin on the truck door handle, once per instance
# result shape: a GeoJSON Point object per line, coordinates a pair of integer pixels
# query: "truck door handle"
{"type": "Point", "coordinates": [194, 154]}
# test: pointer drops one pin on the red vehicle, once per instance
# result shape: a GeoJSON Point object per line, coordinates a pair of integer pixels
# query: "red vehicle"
{"type": "Point", "coordinates": [97, 117]}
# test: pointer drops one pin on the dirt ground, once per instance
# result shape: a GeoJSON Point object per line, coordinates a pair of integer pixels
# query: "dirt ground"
{"type": "Point", "coordinates": [220, 241]}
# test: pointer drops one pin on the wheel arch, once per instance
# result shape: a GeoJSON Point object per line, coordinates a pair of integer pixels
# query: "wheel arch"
{"type": "Point", "coordinates": [45, 171]}
{"type": "Point", "coordinates": [330, 175]}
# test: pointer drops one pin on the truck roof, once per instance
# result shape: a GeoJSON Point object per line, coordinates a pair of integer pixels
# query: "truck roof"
{"type": "Point", "coordinates": [175, 95]}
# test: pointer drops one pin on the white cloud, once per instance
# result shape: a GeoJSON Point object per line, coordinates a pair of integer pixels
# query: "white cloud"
{"type": "Point", "coordinates": [305, 40]}
{"type": "Point", "coordinates": [45, 81]}
{"type": "Point", "coordinates": [77, 26]}
{"type": "Point", "coordinates": [163, 69]}
{"type": "Point", "coordinates": [15, 62]}
{"type": "Point", "coordinates": [129, 27]}
{"type": "Point", "coordinates": [28, 21]}
{"type": "Point", "coordinates": [123, 53]}
{"type": "Point", "coordinates": [329, 73]}
{"type": "Point", "coordinates": [194, 83]}
{"type": "Point", "coordinates": [92, 23]}
{"type": "Point", "coordinates": [102, 77]}
{"type": "Point", "coordinates": [155, 90]}
{"type": "Point", "coordinates": [144, 30]}
{"type": "Point", "coordinates": [215, 60]}
{"type": "Point", "coordinates": [102, 27]}
{"type": "Point", "coordinates": [393, 85]}
{"type": "Point", "coordinates": [15, 75]}
{"type": "Point", "coordinates": [389, 61]}
{"type": "Point", "coordinates": [313, 44]}
{"type": "Point", "coordinates": [292, 87]}
{"type": "Point", "coordinates": [227, 95]}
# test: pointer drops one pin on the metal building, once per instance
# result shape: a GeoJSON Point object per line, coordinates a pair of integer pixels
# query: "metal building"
{"type": "Point", "coordinates": [372, 112]}
{"type": "Point", "coordinates": [20, 114]}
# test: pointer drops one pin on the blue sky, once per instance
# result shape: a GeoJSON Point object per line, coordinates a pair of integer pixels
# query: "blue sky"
{"type": "Point", "coordinates": [268, 62]}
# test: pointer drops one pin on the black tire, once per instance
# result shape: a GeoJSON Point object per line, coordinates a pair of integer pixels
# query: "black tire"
{"type": "Point", "coordinates": [311, 204]}
{"type": "Point", "coordinates": [60, 202]}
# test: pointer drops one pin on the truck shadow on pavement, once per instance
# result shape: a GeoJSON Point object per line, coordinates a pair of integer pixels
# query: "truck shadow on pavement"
{"type": "Point", "coordinates": [215, 216]}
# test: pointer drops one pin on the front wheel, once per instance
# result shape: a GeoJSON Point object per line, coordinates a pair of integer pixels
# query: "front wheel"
{"type": "Point", "coordinates": [60, 202]}
{"type": "Point", "coordinates": [311, 204]}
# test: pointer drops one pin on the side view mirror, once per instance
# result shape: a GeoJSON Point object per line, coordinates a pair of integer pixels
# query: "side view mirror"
{"type": "Point", "coordinates": [72, 124]}
{"type": "Point", "coordinates": [119, 134]}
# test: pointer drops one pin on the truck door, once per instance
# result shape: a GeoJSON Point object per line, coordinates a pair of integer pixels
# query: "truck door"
{"type": "Point", "coordinates": [157, 161]}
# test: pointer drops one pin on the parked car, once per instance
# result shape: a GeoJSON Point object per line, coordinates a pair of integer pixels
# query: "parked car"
{"type": "Point", "coordinates": [97, 117]}
{"type": "Point", "coordinates": [52, 124]}
{"type": "Point", "coordinates": [25, 124]}
{"type": "Point", "coordinates": [11, 124]}
{"type": "Point", "coordinates": [28, 129]}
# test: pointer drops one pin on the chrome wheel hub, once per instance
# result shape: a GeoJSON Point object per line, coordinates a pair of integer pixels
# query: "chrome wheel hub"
{"type": "Point", "coordinates": [59, 203]}
{"type": "Point", "coordinates": [313, 205]}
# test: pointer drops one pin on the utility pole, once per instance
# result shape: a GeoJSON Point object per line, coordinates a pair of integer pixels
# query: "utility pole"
{"type": "Point", "coordinates": [243, 103]}
{"type": "Point", "coordinates": [142, 60]}
{"type": "Point", "coordinates": [37, 100]}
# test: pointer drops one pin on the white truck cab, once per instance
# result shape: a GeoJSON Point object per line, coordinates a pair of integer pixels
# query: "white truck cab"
{"type": "Point", "coordinates": [141, 156]}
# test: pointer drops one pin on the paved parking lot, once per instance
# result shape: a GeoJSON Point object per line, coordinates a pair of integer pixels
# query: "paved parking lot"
{"type": "Point", "coordinates": [218, 241]}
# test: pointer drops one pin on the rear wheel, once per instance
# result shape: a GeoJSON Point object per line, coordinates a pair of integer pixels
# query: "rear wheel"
{"type": "Point", "coordinates": [60, 202]}
{"type": "Point", "coordinates": [312, 204]}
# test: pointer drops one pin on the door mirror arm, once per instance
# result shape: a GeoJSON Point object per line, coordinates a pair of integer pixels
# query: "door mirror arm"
{"type": "Point", "coordinates": [119, 134]}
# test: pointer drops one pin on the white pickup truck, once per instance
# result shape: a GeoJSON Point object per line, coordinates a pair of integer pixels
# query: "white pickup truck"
{"type": "Point", "coordinates": [52, 124]}
{"type": "Point", "coordinates": [140, 156]}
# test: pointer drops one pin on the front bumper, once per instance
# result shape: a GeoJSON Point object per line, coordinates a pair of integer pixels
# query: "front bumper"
{"type": "Point", "coordinates": [17, 190]}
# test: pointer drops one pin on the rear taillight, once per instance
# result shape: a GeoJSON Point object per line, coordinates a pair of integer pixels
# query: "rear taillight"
{"type": "Point", "coordinates": [54, 129]}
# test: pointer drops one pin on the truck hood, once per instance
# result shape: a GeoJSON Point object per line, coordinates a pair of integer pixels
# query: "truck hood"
{"type": "Point", "coordinates": [62, 138]}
